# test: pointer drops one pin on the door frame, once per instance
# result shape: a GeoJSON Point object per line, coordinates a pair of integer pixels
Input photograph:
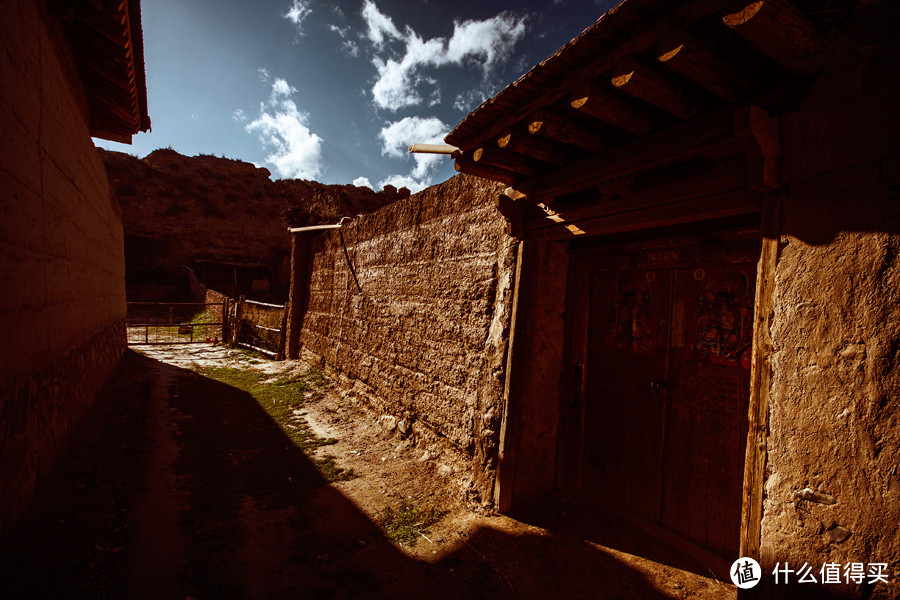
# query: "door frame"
{"type": "Point", "coordinates": [571, 447]}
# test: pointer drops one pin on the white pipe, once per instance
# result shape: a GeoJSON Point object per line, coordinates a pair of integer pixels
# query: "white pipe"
{"type": "Point", "coordinates": [433, 148]}
{"type": "Point", "coordinates": [315, 227]}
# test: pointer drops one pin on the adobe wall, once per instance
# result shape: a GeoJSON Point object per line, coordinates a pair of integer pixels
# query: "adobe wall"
{"type": "Point", "coordinates": [832, 488]}
{"type": "Point", "coordinates": [62, 264]}
{"type": "Point", "coordinates": [424, 343]}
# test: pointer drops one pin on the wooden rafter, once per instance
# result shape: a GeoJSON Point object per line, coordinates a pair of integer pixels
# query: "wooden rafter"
{"type": "Point", "coordinates": [667, 147]}
{"type": "Point", "coordinates": [643, 82]}
{"type": "Point", "coordinates": [561, 129]}
{"type": "Point", "coordinates": [535, 147]}
{"type": "Point", "coordinates": [781, 32]}
{"type": "Point", "coordinates": [510, 161]}
{"type": "Point", "coordinates": [685, 54]}
{"type": "Point", "coordinates": [592, 100]}
{"type": "Point", "coordinates": [644, 39]}
{"type": "Point", "coordinates": [464, 164]}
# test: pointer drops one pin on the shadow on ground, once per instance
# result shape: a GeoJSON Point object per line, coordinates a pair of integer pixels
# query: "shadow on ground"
{"type": "Point", "coordinates": [179, 486]}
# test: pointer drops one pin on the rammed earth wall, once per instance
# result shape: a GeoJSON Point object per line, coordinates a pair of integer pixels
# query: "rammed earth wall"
{"type": "Point", "coordinates": [832, 485]}
{"type": "Point", "coordinates": [423, 339]}
{"type": "Point", "coordinates": [62, 262]}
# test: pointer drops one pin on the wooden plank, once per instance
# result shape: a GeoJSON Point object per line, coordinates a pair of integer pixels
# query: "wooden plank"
{"type": "Point", "coordinates": [510, 161]}
{"type": "Point", "coordinates": [780, 31]}
{"type": "Point", "coordinates": [538, 148]}
{"type": "Point", "coordinates": [464, 164]}
{"type": "Point", "coordinates": [592, 100]}
{"type": "Point", "coordinates": [667, 147]}
{"type": "Point", "coordinates": [642, 82]}
{"type": "Point", "coordinates": [717, 206]}
{"type": "Point", "coordinates": [696, 60]}
{"type": "Point", "coordinates": [566, 131]}
{"type": "Point", "coordinates": [760, 379]}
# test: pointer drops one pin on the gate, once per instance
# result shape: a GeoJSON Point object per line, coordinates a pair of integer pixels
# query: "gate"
{"type": "Point", "coordinates": [175, 322]}
{"type": "Point", "coordinates": [260, 326]}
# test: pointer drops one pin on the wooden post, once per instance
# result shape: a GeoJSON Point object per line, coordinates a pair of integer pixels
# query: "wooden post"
{"type": "Point", "coordinates": [282, 333]}
{"type": "Point", "coordinates": [760, 381]}
{"type": "Point", "coordinates": [225, 320]}
{"type": "Point", "coordinates": [238, 316]}
{"type": "Point", "coordinates": [503, 482]}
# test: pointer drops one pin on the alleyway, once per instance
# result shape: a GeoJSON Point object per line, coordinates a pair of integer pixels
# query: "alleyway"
{"type": "Point", "coordinates": [179, 486]}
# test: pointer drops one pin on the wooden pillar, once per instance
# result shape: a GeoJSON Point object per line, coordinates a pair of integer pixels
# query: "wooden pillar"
{"type": "Point", "coordinates": [760, 382]}
{"type": "Point", "coordinates": [298, 298]}
{"type": "Point", "coordinates": [503, 483]}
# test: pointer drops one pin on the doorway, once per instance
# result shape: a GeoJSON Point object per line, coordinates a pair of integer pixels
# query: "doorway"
{"type": "Point", "coordinates": [665, 333]}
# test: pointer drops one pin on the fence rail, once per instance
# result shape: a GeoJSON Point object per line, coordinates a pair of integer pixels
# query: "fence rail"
{"type": "Point", "coordinates": [175, 322]}
{"type": "Point", "coordinates": [257, 325]}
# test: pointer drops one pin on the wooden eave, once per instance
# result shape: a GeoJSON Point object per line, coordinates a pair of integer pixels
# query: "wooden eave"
{"type": "Point", "coordinates": [106, 39]}
{"type": "Point", "coordinates": [649, 84]}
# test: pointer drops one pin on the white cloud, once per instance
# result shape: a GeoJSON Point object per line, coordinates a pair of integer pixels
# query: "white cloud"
{"type": "Point", "coordinates": [297, 13]}
{"type": "Point", "coordinates": [281, 89]}
{"type": "Point", "coordinates": [349, 45]}
{"type": "Point", "coordinates": [402, 73]}
{"type": "Point", "coordinates": [239, 115]}
{"type": "Point", "coordinates": [380, 26]}
{"type": "Point", "coordinates": [284, 128]}
{"type": "Point", "coordinates": [363, 182]}
{"type": "Point", "coordinates": [395, 141]}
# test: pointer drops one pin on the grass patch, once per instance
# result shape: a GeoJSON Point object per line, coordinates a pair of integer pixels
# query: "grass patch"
{"type": "Point", "coordinates": [281, 400]}
{"type": "Point", "coordinates": [408, 522]}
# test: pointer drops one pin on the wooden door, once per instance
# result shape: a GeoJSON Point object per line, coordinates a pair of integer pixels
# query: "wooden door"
{"type": "Point", "coordinates": [667, 387]}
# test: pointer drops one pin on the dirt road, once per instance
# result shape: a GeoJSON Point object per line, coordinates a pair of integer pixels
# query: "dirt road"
{"type": "Point", "coordinates": [180, 486]}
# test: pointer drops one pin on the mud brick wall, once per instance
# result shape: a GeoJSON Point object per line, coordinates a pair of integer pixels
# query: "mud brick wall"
{"type": "Point", "coordinates": [424, 342]}
{"type": "Point", "coordinates": [62, 264]}
{"type": "Point", "coordinates": [834, 405]}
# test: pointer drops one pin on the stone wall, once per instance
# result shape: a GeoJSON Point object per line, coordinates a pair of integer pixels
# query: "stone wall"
{"type": "Point", "coordinates": [61, 254]}
{"type": "Point", "coordinates": [832, 489]}
{"type": "Point", "coordinates": [423, 339]}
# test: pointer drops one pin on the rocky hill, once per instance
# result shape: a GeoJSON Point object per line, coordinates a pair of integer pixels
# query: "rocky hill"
{"type": "Point", "coordinates": [218, 215]}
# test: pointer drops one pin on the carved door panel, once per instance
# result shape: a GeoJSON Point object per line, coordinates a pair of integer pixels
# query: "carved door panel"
{"type": "Point", "coordinates": [667, 387]}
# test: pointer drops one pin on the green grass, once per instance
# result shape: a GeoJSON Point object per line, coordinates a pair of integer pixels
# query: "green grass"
{"type": "Point", "coordinates": [408, 522]}
{"type": "Point", "coordinates": [280, 399]}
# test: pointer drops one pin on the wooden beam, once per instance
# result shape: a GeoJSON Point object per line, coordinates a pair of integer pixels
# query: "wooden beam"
{"type": "Point", "coordinates": [716, 206]}
{"type": "Point", "coordinates": [667, 147]}
{"type": "Point", "coordinates": [510, 161]}
{"type": "Point", "coordinates": [731, 180]}
{"type": "Point", "coordinates": [592, 100]}
{"type": "Point", "coordinates": [643, 82]}
{"type": "Point", "coordinates": [566, 131]}
{"type": "Point", "coordinates": [760, 135]}
{"type": "Point", "coordinates": [697, 61]}
{"type": "Point", "coordinates": [536, 147]}
{"type": "Point", "coordinates": [464, 164]}
{"type": "Point", "coordinates": [781, 32]}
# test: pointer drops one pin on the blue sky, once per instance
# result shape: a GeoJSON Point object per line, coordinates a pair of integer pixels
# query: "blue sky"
{"type": "Point", "coordinates": [336, 91]}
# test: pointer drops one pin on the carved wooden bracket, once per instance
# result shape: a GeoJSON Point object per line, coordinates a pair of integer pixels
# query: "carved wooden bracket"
{"type": "Point", "coordinates": [760, 135]}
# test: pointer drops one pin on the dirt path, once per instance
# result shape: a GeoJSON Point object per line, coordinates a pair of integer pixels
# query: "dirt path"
{"type": "Point", "coordinates": [180, 486]}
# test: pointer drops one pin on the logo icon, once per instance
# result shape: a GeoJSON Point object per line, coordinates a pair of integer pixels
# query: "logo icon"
{"type": "Point", "coordinates": [745, 573]}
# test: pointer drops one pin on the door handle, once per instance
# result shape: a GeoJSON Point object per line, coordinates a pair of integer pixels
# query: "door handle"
{"type": "Point", "coordinates": [657, 384]}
